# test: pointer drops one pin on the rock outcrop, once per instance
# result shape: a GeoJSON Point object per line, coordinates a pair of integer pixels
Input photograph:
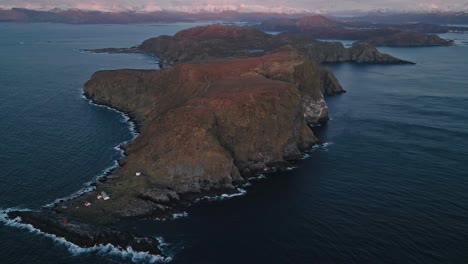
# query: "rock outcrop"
{"type": "Point", "coordinates": [205, 126]}
{"type": "Point", "coordinates": [408, 39]}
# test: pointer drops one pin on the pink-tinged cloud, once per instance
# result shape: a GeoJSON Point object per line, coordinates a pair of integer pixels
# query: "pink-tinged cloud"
{"type": "Point", "coordinates": [286, 6]}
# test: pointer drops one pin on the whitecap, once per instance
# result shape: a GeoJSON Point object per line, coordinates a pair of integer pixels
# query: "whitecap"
{"type": "Point", "coordinates": [162, 242]}
{"type": "Point", "coordinates": [323, 146]}
{"type": "Point", "coordinates": [179, 215]}
{"type": "Point", "coordinates": [223, 196]}
{"type": "Point", "coordinates": [326, 145]}
{"type": "Point", "coordinates": [257, 177]}
{"type": "Point", "coordinates": [246, 184]}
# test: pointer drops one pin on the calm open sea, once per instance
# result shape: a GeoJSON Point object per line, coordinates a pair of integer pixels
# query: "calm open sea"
{"type": "Point", "coordinates": [390, 185]}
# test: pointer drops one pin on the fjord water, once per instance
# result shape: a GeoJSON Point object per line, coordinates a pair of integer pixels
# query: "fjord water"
{"type": "Point", "coordinates": [390, 185]}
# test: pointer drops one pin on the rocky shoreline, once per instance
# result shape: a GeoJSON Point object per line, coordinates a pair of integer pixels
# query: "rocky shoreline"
{"type": "Point", "coordinates": [206, 123]}
{"type": "Point", "coordinates": [84, 235]}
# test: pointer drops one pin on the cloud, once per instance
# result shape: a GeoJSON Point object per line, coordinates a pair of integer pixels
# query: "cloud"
{"type": "Point", "coordinates": [242, 5]}
{"type": "Point", "coordinates": [99, 5]}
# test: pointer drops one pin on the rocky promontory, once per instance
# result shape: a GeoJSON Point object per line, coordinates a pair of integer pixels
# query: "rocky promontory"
{"type": "Point", "coordinates": [234, 103]}
{"type": "Point", "coordinates": [218, 41]}
{"type": "Point", "coordinates": [205, 127]}
{"type": "Point", "coordinates": [408, 39]}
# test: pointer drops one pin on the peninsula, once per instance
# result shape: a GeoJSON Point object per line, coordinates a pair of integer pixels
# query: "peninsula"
{"type": "Point", "coordinates": [228, 103]}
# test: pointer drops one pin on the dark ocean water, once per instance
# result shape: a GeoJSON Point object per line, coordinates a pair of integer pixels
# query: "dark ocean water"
{"type": "Point", "coordinates": [390, 185]}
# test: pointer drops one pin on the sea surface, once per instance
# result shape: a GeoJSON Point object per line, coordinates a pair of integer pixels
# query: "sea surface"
{"type": "Point", "coordinates": [390, 185]}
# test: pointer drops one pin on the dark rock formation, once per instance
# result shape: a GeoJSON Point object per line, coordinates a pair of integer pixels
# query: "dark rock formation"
{"type": "Point", "coordinates": [382, 34]}
{"type": "Point", "coordinates": [218, 41]}
{"type": "Point", "coordinates": [85, 235]}
{"type": "Point", "coordinates": [403, 39]}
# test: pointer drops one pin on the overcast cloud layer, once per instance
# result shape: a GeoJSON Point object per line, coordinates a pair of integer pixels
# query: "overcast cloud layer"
{"type": "Point", "coordinates": [242, 5]}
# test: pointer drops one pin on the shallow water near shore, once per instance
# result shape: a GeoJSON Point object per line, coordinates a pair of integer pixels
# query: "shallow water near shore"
{"type": "Point", "coordinates": [389, 187]}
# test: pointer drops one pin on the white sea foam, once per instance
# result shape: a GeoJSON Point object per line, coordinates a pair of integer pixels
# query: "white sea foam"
{"type": "Point", "coordinates": [179, 215]}
{"type": "Point", "coordinates": [291, 168]}
{"type": "Point", "coordinates": [173, 216]}
{"type": "Point", "coordinates": [323, 146]}
{"type": "Point", "coordinates": [223, 196]}
{"type": "Point", "coordinates": [162, 242]}
{"type": "Point", "coordinates": [88, 186]}
{"type": "Point", "coordinates": [246, 184]}
{"type": "Point", "coordinates": [326, 145]}
{"type": "Point", "coordinates": [127, 253]}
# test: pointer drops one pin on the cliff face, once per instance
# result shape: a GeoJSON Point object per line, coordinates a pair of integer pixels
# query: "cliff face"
{"type": "Point", "coordinates": [204, 127]}
{"type": "Point", "coordinates": [218, 41]}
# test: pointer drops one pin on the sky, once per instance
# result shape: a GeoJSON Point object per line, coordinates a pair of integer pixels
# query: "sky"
{"type": "Point", "coordinates": [320, 6]}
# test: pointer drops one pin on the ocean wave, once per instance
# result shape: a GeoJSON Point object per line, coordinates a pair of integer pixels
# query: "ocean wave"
{"type": "Point", "coordinates": [108, 249]}
{"type": "Point", "coordinates": [323, 146]}
{"type": "Point", "coordinates": [179, 215]}
{"type": "Point", "coordinates": [174, 216]}
{"type": "Point", "coordinates": [88, 186]}
{"type": "Point", "coordinates": [290, 168]}
{"type": "Point", "coordinates": [223, 196]}
{"type": "Point", "coordinates": [162, 242]}
{"type": "Point", "coordinates": [257, 177]}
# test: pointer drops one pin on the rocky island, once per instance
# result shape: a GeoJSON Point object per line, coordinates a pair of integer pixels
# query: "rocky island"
{"type": "Point", "coordinates": [219, 115]}
{"type": "Point", "coordinates": [321, 27]}
{"type": "Point", "coordinates": [408, 39]}
{"type": "Point", "coordinates": [219, 41]}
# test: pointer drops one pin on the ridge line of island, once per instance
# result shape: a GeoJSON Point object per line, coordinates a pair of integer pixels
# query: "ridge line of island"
{"type": "Point", "coordinates": [228, 103]}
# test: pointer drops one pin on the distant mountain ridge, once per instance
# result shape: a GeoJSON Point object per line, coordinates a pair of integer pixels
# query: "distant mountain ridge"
{"type": "Point", "coordinates": [78, 16]}
{"type": "Point", "coordinates": [214, 13]}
